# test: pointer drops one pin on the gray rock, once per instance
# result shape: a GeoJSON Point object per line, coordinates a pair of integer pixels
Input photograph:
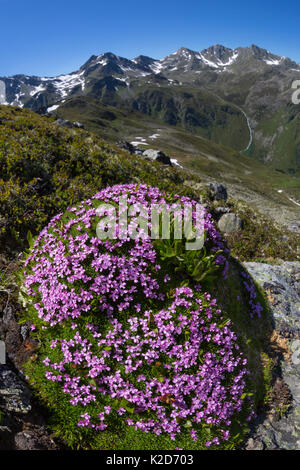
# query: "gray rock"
{"type": "Point", "coordinates": [157, 155]}
{"type": "Point", "coordinates": [63, 123]}
{"type": "Point", "coordinates": [35, 438]}
{"type": "Point", "coordinates": [230, 223]}
{"type": "Point", "coordinates": [221, 210]}
{"type": "Point", "coordinates": [254, 444]}
{"type": "Point", "coordinates": [282, 285]}
{"type": "Point", "coordinates": [15, 396]}
{"type": "Point", "coordinates": [219, 191]}
{"type": "Point", "coordinates": [69, 124]}
{"type": "Point", "coordinates": [294, 226]}
{"type": "Point", "coordinates": [79, 125]}
{"type": "Point", "coordinates": [24, 330]}
{"type": "Point", "coordinates": [124, 145]}
{"type": "Point", "coordinates": [8, 315]}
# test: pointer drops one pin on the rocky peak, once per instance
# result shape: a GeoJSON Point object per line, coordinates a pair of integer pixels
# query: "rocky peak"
{"type": "Point", "coordinates": [218, 51]}
{"type": "Point", "coordinates": [144, 60]}
{"type": "Point", "coordinates": [184, 52]}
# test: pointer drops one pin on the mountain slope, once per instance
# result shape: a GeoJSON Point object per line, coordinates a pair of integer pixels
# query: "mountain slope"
{"type": "Point", "coordinates": [222, 94]}
{"type": "Point", "coordinates": [45, 168]}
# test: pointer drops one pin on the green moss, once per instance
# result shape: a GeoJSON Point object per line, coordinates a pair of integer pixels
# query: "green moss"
{"type": "Point", "coordinates": [261, 240]}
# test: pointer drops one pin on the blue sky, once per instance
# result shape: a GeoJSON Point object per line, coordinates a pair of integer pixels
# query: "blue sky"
{"type": "Point", "coordinates": [49, 38]}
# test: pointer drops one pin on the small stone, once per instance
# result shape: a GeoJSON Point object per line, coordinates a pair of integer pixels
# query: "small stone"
{"type": "Point", "coordinates": [24, 331]}
{"type": "Point", "coordinates": [230, 223]}
{"type": "Point", "coordinates": [8, 315]}
{"type": "Point", "coordinates": [254, 444]}
{"type": "Point", "coordinates": [294, 226]}
{"type": "Point", "coordinates": [64, 123]}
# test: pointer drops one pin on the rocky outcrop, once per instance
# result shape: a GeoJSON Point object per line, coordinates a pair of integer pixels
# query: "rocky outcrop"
{"type": "Point", "coordinates": [281, 283]}
{"type": "Point", "coordinates": [22, 422]}
{"type": "Point", "coordinates": [15, 396]}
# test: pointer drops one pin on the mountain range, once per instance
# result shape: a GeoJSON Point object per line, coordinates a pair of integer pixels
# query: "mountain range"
{"type": "Point", "coordinates": [241, 98]}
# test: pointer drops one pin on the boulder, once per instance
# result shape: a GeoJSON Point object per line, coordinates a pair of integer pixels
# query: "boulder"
{"type": "Point", "coordinates": [281, 283]}
{"type": "Point", "coordinates": [64, 123]}
{"type": "Point", "coordinates": [157, 155]}
{"type": "Point", "coordinates": [124, 145]}
{"type": "Point", "coordinates": [79, 125]}
{"type": "Point", "coordinates": [19, 410]}
{"type": "Point", "coordinates": [15, 396]}
{"type": "Point", "coordinates": [219, 191]}
{"type": "Point", "coordinates": [230, 223]}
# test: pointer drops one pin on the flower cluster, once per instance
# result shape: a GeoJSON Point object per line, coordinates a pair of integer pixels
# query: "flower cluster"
{"type": "Point", "coordinates": [255, 306]}
{"type": "Point", "coordinates": [121, 270]}
{"type": "Point", "coordinates": [154, 355]}
{"type": "Point", "coordinates": [168, 368]}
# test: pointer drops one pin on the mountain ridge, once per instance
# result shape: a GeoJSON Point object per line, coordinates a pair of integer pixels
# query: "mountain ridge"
{"type": "Point", "coordinates": [199, 91]}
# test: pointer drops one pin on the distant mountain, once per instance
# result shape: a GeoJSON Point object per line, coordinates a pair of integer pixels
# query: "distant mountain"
{"type": "Point", "coordinates": [238, 97]}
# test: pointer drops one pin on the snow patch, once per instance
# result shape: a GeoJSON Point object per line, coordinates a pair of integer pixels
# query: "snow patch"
{"type": "Point", "coordinates": [156, 67]}
{"type": "Point", "coordinates": [17, 101]}
{"type": "Point", "coordinates": [273, 61]}
{"type": "Point", "coordinates": [52, 108]}
{"type": "Point", "coordinates": [207, 62]}
{"type": "Point", "coordinates": [65, 83]}
{"type": "Point", "coordinates": [230, 61]}
{"type": "Point", "coordinates": [125, 80]}
{"type": "Point", "coordinates": [136, 144]}
{"type": "Point", "coordinates": [175, 162]}
{"type": "Point", "coordinates": [102, 62]}
{"type": "Point", "coordinates": [295, 202]}
{"type": "Point", "coordinates": [37, 90]}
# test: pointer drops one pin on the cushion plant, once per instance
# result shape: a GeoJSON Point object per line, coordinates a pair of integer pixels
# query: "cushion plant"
{"type": "Point", "coordinates": [134, 352]}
